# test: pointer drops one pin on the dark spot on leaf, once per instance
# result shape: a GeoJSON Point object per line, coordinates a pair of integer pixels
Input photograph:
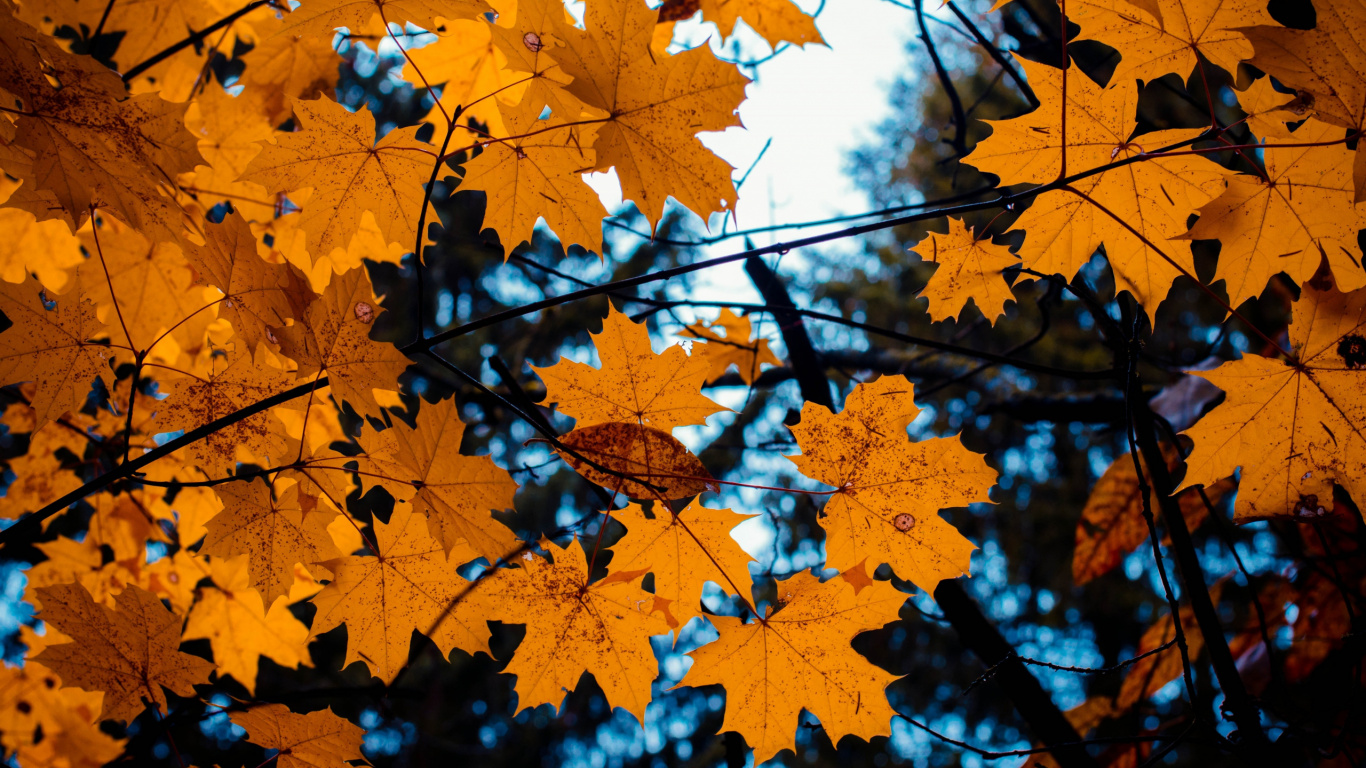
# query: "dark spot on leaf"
{"type": "Point", "coordinates": [1352, 350]}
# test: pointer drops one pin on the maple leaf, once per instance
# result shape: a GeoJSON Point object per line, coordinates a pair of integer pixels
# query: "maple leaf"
{"type": "Point", "coordinates": [144, 28]}
{"type": "Point", "coordinates": [655, 107]}
{"type": "Point", "coordinates": [42, 474]}
{"type": "Point", "coordinates": [336, 156]}
{"type": "Point", "coordinates": [1155, 37]}
{"type": "Point", "coordinates": [35, 712]}
{"type": "Point", "coordinates": [684, 550]}
{"type": "Point", "coordinates": [538, 174]}
{"type": "Point", "coordinates": [970, 269]}
{"type": "Point", "coordinates": [45, 248]}
{"type": "Point", "coordinates": [143, 286]}
{"type": "Point", "coordinates": [800, 657]}
{"type": "Point", "coordinates": [48, 342]}
{"type": "Point", "coordinates": [574, 626]}
{"type": "Point", "coordinates": [129, 652]}
{"type": "Point", "coordinates": [412, 584]}
{"type": "Point", "coordinates": [730, 342]}
{"type": "Point", "coordinates": [239, 380]}
{"type": "Point", "coordinates": [1112, 524]}
{"type": "Point", "coordinates": [1327, 63]}
{"type": "Point", "coordinates": [233, 618]}
{"type": "Point", "coordinates": [230, 130]}
{"type": "Point", "coordinates": [303, 741]}
{"type": "Point", "coordinates": [1149, 674]}
{"type": "Point", "coordinates": [1291, 222]}
{"type": "Point", "coordinates": [889, 489]}
{"type": "Point", "coordinates": [125, 521]}
{"type": "Point", "coordinates": [257, 295]}
{"type": "Point", "coordinates": [318, 18]}
{"type": "Point", "coordinates": [275, 530]}
{"type": "Point", "coordinates": [776, 21]}
{"type": "Point", "coordinates": [1268, 110]}
{"type": "Point", "coordinates": [640, 462]}
{"type": "Point", "coordinates": [284, 66]}
{"type": "Point", "coordinates": [634, 385]}
{"type": "Point", "coordinates": [1155, 197]}
{"type": "Point", "coordinates": [469, 68]}
{"type": "Point", "coordinates": [526, 42]}
{"type": "Point", "coordinates": [333, 338]}
{"type": "Point", "coordinates": [1296, 428]}
{"type": "Point", "coordinates": [456, 493]}
{"type": "Point", "coordinates": [89, 146]}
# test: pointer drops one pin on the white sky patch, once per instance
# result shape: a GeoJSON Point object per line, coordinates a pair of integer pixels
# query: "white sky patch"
{"type": "Point", "coordinates": [815, 104]}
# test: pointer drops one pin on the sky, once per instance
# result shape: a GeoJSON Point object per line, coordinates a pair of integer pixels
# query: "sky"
{"type": "Point", "coordinates": [816, 104]}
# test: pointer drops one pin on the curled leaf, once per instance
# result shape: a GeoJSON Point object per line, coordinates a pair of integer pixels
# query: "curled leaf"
{"type": "Point", "coordinates": [648, 463]}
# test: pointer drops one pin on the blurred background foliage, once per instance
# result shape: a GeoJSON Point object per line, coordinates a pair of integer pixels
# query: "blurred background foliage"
{"type": "Point", "coordinates": [1051, 437]}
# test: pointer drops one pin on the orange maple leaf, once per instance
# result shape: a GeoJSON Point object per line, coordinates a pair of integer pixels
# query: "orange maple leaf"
{"type": "Point", "coordinates": [889, 489]}
{"type": "Point", "coordinates": [799, 657]}
{"type": "Point", "coordinates": [128, 652]}
{"type": "Point", "coordinates": [576, 626]}
{"type": "Point", "coordinates": [634, 385]}
{"type": "Point", "coordinates": [1294, 428]}
{"type": "Point", "coordinates": [457, 494]}
{"type": "Point", "coordinates": [411, 584]}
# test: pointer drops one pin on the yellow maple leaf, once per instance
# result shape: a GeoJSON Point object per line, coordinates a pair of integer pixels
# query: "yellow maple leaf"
{"type": "Point", "coordinates": [574, 626]}
{"type": "Point", "coordinates": [45, 248]}
{"type": "Point", "coordinates": [336, 156]}
{"type": "Point", "coordinates": [239, 380]}
{"type": "Point", "coordinates": [128, 652]}
{"type": "Point", "coordinates": [1294, 429]}
{"type": "Point", "coordinates": [455, 493]}
{"type": "Point", "coordinates": [1291, 222]}
{"type": "Point", "coordinates": [146, 287]}
{"type": "Point", "coordinates": [634, 385]}
{"type": "Point", "coordinates": [468, 68]}
{"type": "Point", "coordinates": [275, 530]}
{"type": "Point", "coordinates": [333, 337]}
{"type": "Point", "coordinates": [36, 712]}
{"type": "Point", "coordinates": [51, 347]}
{"type": "Point", "coordinates": [1156, 37]}
{"type": "Point", "coordinates": [730, 342]}
{"type": "Point", "coordinates": [799, 657]}
{"type": "Point", "coordinates": [655, 108]}
{"type": "Point", "coordinates": [231, 130]}
{"type": "Point", "coordinates": [175, 578]}
{"type": "Point", "coordinates": [890, 490]}
{"type": "Point", "coordinates": [318, 18]}
{"type": "Point", "coordinates": [232, 617]}
{"type": "Point", "coordinates": [144, 27]}
{"type": "Point", "coordinates": [412, 584]}
{"type": "Point", "coordinates": [302, 741]}
{"type": "Point", "coordinates": [684, 550]}
{"type": "Point", "coordinates": [283, 66]}
{"type": "Point", "coordinates": [257, 295]}
{"type": "Point", "coordinates": [538, 174]}
{"type": "Point", "coordinates": [125, 521]}
{"type": "Point", "coordinates": [526, 42]}
{"type": "Point", "coordinates": [1268, 110]}
{"type": "Point", "coordinates": [970, 269]}
{"type": "Point", "coordinates": [1327, 63]}
{"type": "Point", "coordinates": [1155, 196]}
{"type": "Point", "coordinates": [41, 474]}
{"type": "Point", "coordinates": [88, 144]}
{"type": "Point", "coordinates": [776, 21]}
